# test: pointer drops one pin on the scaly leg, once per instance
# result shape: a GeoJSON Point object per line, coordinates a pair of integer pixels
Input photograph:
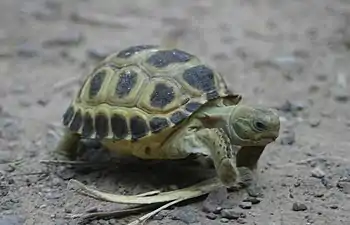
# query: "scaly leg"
{"type": "Point", "coordinates": [212, 142]}
{"type": "Point", "coordinates": [68, 144]}
{"type": "Point", "coordinates": [247, 160]}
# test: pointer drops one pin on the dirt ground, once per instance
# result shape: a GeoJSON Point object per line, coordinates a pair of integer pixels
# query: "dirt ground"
{"type": "Point", "coordinates": [291, 55]}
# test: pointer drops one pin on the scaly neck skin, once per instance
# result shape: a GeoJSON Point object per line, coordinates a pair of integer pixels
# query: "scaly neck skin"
{"type": "Point", "coordinates": [219, 117]}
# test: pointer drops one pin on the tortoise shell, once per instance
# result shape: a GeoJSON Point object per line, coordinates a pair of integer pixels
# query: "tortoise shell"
{"type": "Point", "coordinates": [141, 91]}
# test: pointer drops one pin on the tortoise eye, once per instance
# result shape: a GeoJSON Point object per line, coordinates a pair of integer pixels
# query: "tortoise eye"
{"type": "Point", "coordinates": [260, 126]}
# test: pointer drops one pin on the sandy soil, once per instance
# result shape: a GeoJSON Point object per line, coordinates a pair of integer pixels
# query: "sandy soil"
{"type": "Point", "coordinates": [292, 55]}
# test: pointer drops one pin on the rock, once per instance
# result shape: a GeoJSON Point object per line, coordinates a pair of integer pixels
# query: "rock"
{"type": "Point", "coordinates": [214, 200]}
{"type": "Point", "coordinates": [224, 220]}
{"type": "Point", "coordinates": [230, 214]}
{"type": "Point", "coordinates": [287, 137]}
{"type": "Point", "coordinates": [253, 200]}
{"type": "Point", "coordinates": [340, 89]}
{"type": "Point", "coordinates": [318, 195]}
{"type": "Point", "coordinates": [186, 216]}
{"type": "Point", "coordinates": [291, 107]}
{"type": "Point", "coordinates": [299, 206]}
{"type": "Point", "coordinates": [341, 95]}
{"type": "Point", "coordinates": [211, 216]}
{"type": "Point", "coordinates": [317, 173]}
{"type": "Point", "coordinates": [52, 195]}
{"type": "Point", "coordinates": [241, 221]}
{"type": "Point", "coordinates": [343, 185]}
{"type": "Point", "coordinates": [68, 38]}
{"type": "Point", "coordinates": [4, 190]}
{"type": "Point", "coordinates": [42, 102]}
{"type": "Point", "coordinates": [245, 205]}
{"type": "Point", "coordinates": [65, 173]}
{"type": "Point", "coordinates": [315, 122]}
{"type": "Point", "coordinates": [333, 207]}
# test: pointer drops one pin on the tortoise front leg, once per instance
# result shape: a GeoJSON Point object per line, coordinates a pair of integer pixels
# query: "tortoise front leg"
{"type": "Point", "coordinates": [222, 153]}
{"type": "Point", "coordinates": [212, 142]}
{"type": "Point", "coordinates": [68, 144]}
{"type": "Point", "coordinates": [247, 163]}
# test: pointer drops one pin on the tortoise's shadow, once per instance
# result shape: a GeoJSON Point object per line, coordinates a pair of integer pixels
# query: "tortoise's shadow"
{"type": "Point", "coordinates": [129, 175]}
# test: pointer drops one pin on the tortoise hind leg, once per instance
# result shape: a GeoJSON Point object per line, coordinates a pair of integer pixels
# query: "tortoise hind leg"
{"type": "Point", "coordinates": [68, 144]}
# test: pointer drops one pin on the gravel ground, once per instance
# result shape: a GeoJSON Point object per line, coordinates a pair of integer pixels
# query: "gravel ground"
{"type": "Point", "coordinates": [291, 55]}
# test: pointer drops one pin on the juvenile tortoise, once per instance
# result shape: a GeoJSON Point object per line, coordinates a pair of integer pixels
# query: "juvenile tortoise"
{"type": "Point", "coordinates": [164, 103]}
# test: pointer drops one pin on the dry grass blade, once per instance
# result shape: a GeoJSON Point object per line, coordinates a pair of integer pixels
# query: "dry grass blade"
{"type": "Point", "coordinates": [143, 218]}
{"type": "Point", "coordinates": [193, 191]}
{"type": "Point", "coordinates": [87, 217]}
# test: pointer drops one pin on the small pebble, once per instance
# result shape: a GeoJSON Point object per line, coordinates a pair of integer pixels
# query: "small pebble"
{"type": "Point", "coordinates": [287, 137]}
{"type": "Point", "coordinates": [241, 221]}
{"type": "Point", "coordinates": [214, 200]}
{"type": "Point", "coordinates": [66, 210]}
{"type": "Point", "coordinates": [224, 220]}
{"type": "Point", "coordinates": [318, 195]}
{"type": "Point", "coordinates": [299, 206]}
{"type": "Point", "coordinates": [314, 122]}
{"type": "Point", "coordinates": [211, 216]}
{"type": "Point", "coordinates": [334, 207]}
{"type": "Point", "coordinates": [344, 186]}
{"type": "Point", "coordinates": [230, 214]}
{"type": "Point", "coordinates": [186, 216]}
{"type": "Point", "coordinates": [317, 173]}
{"type": "Point", "coordinates": [245, 205]}
{"type": "Point", "coordinates": [42, 102]}
{"type": "Point", "coordinates": [253, 200]}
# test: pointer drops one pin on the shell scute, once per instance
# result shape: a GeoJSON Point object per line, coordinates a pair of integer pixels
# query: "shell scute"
{"type": "Point", "coordinates": [164, 58]}
{"type": "Point", "coordinates": [138, 127]}
{"type": "Point", "coordinates": [88, 125]}
{"type": "Point", "coordinates": [119, 126]}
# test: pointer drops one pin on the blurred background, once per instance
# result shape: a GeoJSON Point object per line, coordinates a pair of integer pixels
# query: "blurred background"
{"type": "Point", "coordinates": [292, 55]}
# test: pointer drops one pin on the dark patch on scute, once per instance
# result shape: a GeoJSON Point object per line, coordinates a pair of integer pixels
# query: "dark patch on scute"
{"type": "Point", "coordinates": [138, 127]}
{"type": "Point", "coordinates": [148, 150]}
{"type": "Point", "coordinates": [177, 117]}
{"type": "Point", "coordinates": [126, 53]}
{"type": "Point", "coordinates": [166, 57]}
{"type": "Point", "coordinates": [88, 126]}
{"type": "Point", "coordinates": [212, 95]}
{"type": "Point", "coordinates": [68, 115]}
{"type": "Point", "coordinates": [200, 77]}
{"type": "Point", "coordinates": [119, 126]}
{"type": "Point", "coordinates": [162, 95]}
{"type": "Point", "coordinates": [101, 125]}
{"type": "Point", "coordinates": [77, 121]}
{"type": "Point", "coordinates": [193, 106]}
{"type": "Point", "coordinates": [96, 83]}
{"type": "Point", "coordinates": [126, 82]}
{"type": "Point", "coordinates": [158, 123]}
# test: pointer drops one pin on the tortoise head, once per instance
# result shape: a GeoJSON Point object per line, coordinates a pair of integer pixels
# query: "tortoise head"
{"type": "Point", "coordinates": [253, 126]}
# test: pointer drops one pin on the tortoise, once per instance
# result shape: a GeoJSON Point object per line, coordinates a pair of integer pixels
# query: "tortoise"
{"type": "Point", "coordinates": [157, 102]}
